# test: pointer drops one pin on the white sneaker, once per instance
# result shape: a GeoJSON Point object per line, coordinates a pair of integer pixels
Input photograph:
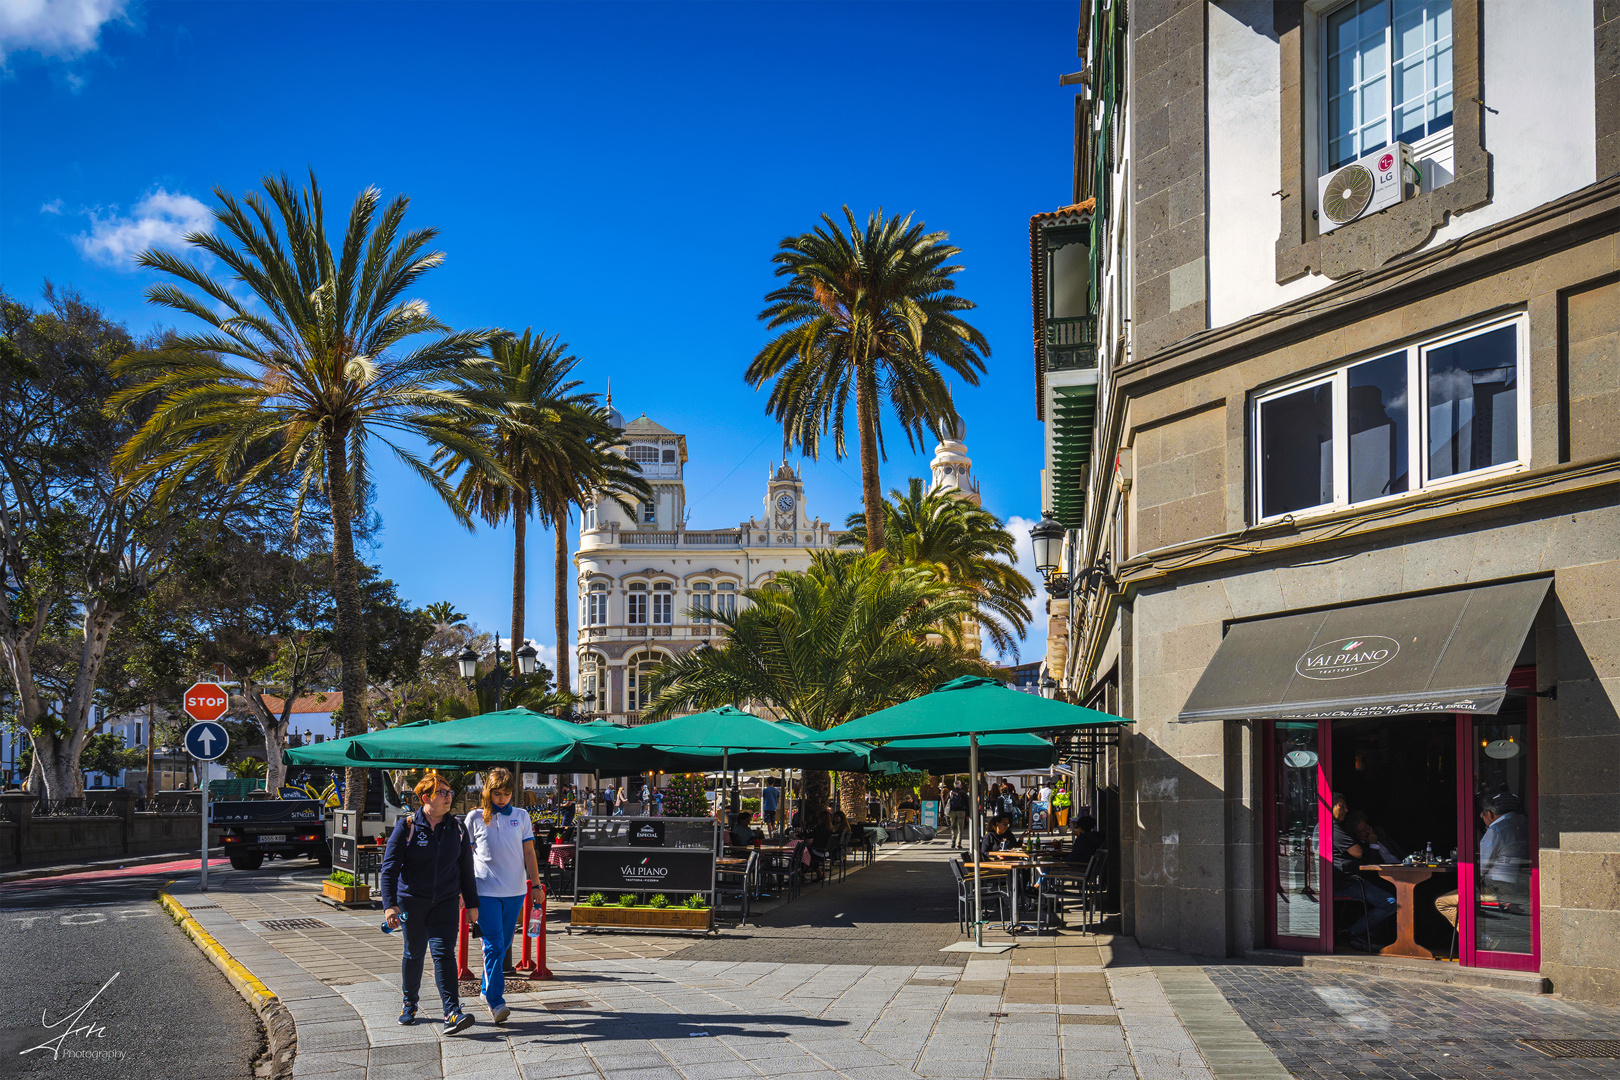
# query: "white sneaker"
{"type": "Point", "coordinates": [499, 1015]}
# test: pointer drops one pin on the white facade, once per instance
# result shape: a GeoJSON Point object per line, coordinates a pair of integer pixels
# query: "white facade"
{"type": "Point", "coordinates": [640, 577]}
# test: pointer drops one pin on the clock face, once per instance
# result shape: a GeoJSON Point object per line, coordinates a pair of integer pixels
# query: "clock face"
{"type": "Point", "coordinates": [784, 503]}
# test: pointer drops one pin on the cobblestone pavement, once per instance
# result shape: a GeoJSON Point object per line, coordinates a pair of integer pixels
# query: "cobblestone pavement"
{"type": "Point", "coordinates": [1330, 1025]}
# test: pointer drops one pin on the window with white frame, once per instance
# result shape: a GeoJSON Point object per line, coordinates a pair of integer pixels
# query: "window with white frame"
{"type": "Point", "coordinates": [636, 671]}
{"type": "Point", "coordinates": [702, 601]}
{"type": "Point", "coordinates": [644, 454]}
{"type": "Point", "coordinates": [587, 517]}
{"type": "Point", "coordinates": [589, 682]}
{"type": "Point", "coordinates": [649, 513]}
{"type": "Point", "coordinates": [1385, 76]}
{"type": "Point", "coordinates": [663, 604]}
{"type": "Point", "coordinates": [636, 605]}
{"type": "Point", "coordinates": [1410, 418]}
{"type": "Point", "coordinates": [725, 599]}
{"type": "Point", "coordinates": [596, 604]}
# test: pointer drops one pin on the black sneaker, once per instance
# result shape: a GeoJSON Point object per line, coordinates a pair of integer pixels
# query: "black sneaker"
{"type": "Point", "coordinates": [456, 1021]}
{"type": "Point", "coordinates": [407, 1016]}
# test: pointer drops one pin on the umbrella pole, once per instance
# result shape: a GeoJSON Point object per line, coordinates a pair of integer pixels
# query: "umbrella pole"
{"type": "Point", "coordinates": [973, 836]}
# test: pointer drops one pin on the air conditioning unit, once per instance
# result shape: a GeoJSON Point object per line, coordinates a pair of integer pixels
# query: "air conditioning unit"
{"type": "Point", "coordinates": [1375, 182]}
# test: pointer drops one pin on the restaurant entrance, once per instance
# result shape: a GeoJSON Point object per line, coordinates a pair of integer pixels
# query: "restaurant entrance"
{"type": "Point", "coordinates": [1442, 804]}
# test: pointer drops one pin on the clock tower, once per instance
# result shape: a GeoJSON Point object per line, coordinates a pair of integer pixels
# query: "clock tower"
{"type": "Point", "coordinates": [784, 503]}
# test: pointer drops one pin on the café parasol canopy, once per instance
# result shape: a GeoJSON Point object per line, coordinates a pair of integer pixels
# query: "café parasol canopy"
{"type": "Point", "coordinates": [736, 738]}
{"type": "Point", "coordinates": [497, 738]}
{"type": "Point", "coordinates": [997, 753]}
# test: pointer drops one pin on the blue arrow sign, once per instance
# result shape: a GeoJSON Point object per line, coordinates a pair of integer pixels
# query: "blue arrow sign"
{"type": "Point", "coordinates": [206, 740]}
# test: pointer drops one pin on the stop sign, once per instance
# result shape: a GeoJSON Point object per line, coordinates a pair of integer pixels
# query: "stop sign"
{"type": "Point", "coordinates": [205, 701]}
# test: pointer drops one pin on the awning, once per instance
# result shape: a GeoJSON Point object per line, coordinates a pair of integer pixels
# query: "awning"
{"type": "Point", "coordinates": [1445, 652]}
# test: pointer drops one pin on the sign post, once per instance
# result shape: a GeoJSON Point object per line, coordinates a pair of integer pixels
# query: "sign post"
{"type": "Point", "coordinates": [206, 740]}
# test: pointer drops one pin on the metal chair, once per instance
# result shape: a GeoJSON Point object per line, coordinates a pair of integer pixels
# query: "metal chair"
{"type": "Point", "coordinates": [992, 890]}
{"type": "Point", "coordinates": [738, 885]}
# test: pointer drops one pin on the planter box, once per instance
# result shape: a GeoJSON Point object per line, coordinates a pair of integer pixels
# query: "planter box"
{"type": "Point", "coordinates": [346, 894]}
{"type": "Point", "coordinates": [613, 917]}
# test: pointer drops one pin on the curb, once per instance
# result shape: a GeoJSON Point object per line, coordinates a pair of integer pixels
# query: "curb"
{"type": "Point", "coordinates": [280, 1033]}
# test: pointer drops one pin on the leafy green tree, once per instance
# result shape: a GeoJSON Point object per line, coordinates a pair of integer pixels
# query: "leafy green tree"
{"type": "Point", "coordinates": [325, 355]}
{"type": "Point", "coordinates": [869, 314]}
{"type": "Point", "coordinates": [963, 544]}
{"type": "Point", "coordinates": [106, 754]}
{"type": "Point", "coordinates": [554, 444]}
{"type": "Point", "coordinates": [848, 636]}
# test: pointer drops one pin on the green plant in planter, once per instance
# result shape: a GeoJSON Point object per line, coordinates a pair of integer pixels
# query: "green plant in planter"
{"type": "Point", "coordinates": [596, 899]}
{"type": "Point", "coordinates": [627, 899]}
{"type": "Point", "coordinates": [659, 901]}
{"type": "Point", "coordinates": [341, 877]}
{"type": "Point", "coordinates": [695, 902]}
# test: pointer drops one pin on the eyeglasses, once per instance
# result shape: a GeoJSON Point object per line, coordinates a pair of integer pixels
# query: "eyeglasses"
{"type": "Point", "coordinates": [443, 793]}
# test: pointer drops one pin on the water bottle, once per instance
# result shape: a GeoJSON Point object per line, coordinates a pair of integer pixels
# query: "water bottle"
{"type": "Point", "coordinates": [537, 926]}
{"type": "Point", "coordinates": [1428, 852]}
{"type": "Point", "coordinates": [389, 929]}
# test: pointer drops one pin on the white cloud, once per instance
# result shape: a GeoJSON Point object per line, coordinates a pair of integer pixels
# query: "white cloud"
{"type": "Point", "coordinates": [52, 207]}
{"type": "Point", "coordinates": [58, 28]}
{"type": "Point", "coordinates": [159, 220]}
{"type": "Point", "coordinates": [1033, 647]}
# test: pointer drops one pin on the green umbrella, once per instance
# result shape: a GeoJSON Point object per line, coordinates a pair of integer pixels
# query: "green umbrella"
{"type": "Point", "coordinates": [971, 706]}
{"type": "Point", "coordinates": [474, 741]}
{"type": "Point", "coordinates": [736, 738]}
{"type": "Point", "coordinates": [997, 753]}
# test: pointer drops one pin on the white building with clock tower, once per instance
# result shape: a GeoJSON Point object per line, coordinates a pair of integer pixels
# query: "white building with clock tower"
{"type": "Point", "coordinates": [646, 578]}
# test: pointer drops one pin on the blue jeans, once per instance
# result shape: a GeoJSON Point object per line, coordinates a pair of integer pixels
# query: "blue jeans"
{"type": "Point", "coordinates": [497, 917]}
{"type": "Point", "coordinates": [432, 929]}
{"type": "Point", "coordinates": [1380, 902]}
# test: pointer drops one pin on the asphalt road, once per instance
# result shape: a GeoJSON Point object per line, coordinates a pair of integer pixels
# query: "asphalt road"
{"type": "Point", "coordinates": [100, 982]}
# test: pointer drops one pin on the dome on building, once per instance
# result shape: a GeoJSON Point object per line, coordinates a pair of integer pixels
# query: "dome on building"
{"type": "Point", "coordinates": [953, 430]}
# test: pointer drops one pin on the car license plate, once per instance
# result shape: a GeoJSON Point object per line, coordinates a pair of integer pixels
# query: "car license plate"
{"type": "Point", "coordinates": [278, 838]}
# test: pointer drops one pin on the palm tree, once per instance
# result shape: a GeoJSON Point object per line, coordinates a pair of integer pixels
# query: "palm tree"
{"type": "Point", "coordinates": [444, 615]}
{"type": "Point", "coordinates": [963, 544]}
{"type": "Point", "coordinates": [867, 313]}
{"type": "Point", "coordinates": [324, 355]}
{"type": "Point", "coordinates": [850, 635]}
{"type": "Point", "coordinates": [554, 444]}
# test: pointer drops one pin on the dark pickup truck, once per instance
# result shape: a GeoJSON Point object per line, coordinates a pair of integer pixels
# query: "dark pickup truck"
{"type": "Point", "coordinates": [254, 829]}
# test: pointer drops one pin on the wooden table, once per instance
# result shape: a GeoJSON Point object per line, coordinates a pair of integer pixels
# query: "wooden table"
{"type": "Point", "coordinates": [1406, 879]}
{"type": "Point", "coordinates": [1011, 862]}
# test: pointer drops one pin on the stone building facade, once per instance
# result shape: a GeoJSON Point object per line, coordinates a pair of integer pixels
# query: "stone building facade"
{"type": "Point", "coordinates": [1266, 428]}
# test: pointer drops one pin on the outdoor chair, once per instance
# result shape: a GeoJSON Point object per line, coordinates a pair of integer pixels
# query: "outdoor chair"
{"type": "Point", "coordinates": [783, 874]}
{"type": "Point", "coordinates": [992, 890]}
{"type": "Point", "coordinates": [737, 885]}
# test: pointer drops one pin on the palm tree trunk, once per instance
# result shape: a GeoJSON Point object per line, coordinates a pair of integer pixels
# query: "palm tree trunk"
{"type": "Point", "coordinates": [520, 519]}
{"type": "Point", "coordinates": [565, 651]}
{"type": "Point", "coordinates": [866, 406]}
{"type": "Point", "coordinates": [852, 795]}
{"type": "Point", "coordinates": [351, 637]}
{"type": "Point", "coordinates": [817, 789]}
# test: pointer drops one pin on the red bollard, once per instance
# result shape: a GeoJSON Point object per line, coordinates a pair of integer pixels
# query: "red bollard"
{"type": "Point", "coordinates": [463, 972]}
{"type": "Point", "coordinates": [532, 966]}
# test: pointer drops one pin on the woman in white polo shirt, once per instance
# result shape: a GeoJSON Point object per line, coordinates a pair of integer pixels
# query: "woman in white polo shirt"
{"type": "Point", "coordinates": [506, 870]}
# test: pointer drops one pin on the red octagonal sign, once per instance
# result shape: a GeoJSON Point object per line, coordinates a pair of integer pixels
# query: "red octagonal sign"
{"type": "Point", "coordinates": [205, 701]}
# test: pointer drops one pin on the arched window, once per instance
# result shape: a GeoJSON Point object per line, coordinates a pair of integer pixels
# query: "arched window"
{"type": "Point", "coordinates": [587, 517]}
{"type": "Point", "coordinates": [702, 601]}
{"type": "Point", "coordinates": [596, 604]}
{"type": "Point", "coordinates": [592, 687]}
{"type": "Point", "coordinates": [636, 605]}
{"type": "Point", "coordinates": [663, 604]}
{"type": "Point", "coordinates": [725, 599]}
{"type": "Point", "coordinates": [636, 670]}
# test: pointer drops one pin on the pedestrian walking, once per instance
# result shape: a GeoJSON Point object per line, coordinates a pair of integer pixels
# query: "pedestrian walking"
{"type": "Point", "coordinates": [769, 799]}
{"type": "Point", "coordinates": [506, 870]}
{"type": "Point", "coordinates": [427, 874]}
{"type": "Point", "coordinates": [956, 808]}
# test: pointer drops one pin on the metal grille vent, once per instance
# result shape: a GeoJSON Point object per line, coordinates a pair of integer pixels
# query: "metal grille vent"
{"type": "Point", "coordinates": [558, 1005]}
{"type": "Point", "coordinates": [1576, 1048]}
{"type": "Point", "coordinates": [293, 924]}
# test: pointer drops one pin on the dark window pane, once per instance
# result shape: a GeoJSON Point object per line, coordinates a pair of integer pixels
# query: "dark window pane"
{"type": "Point", "coordinates": [1473, 403]}
{"type": "Point", "coordinates": [1296, 451]}
{"type": "Point", "coordinates": [1378, 411]}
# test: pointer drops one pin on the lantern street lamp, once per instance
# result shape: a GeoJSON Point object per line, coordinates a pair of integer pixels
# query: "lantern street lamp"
{"type": "Point", "coordinates": [499, 679]}
{"type": "Point", "coordinates": [1048, 687]}
{"type": "Point", "coordinates": [1046, 537]}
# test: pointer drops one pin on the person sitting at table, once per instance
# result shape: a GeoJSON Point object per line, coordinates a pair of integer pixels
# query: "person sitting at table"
{"type": "Point", "coordinates": [1374, 838]}
{"type": "Point", "coordinates": [1087, 840]}
{"type": "Point", "coordinates": [743, 833]}
{"type": "Point", "coordinates": [1504, 859]}
{"type": "Point", "coordinates": [818, 834]}
{"type": "Point", "coordinates": [1349, 854]}
{"type": "Point", "coordinates": [999, 838]}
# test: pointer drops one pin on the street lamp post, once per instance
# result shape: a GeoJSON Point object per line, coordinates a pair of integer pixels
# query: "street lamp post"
{"type": "Point", "coordinates": [499, 678]}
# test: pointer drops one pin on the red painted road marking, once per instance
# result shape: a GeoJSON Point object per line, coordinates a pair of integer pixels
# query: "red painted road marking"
{"type": "Point", "coordinates": [179, 866]}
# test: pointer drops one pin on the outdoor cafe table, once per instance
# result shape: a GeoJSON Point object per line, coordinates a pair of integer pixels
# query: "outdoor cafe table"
{"type": "Point", "coordinates": [1406, 879]}
{"type": "Point", "coordinates": [1012, 862]}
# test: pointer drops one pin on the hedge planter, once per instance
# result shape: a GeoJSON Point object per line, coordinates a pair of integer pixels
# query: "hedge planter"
{"type": "Point", "coordinates": [346, 894]}
{"type": "Point", "coordinates": [615, 917]}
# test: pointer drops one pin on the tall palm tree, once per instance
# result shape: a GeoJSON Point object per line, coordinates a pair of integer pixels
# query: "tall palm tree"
{"type": "Point", "coordinates": [963, 544]}
{"type": "Point", "coordinates": [870, 313]}
{"type": "Point", "coordinates": [554, 444]}
{"type": "Point", "coordinates": [319, 356]}
{"type": "Point", "coordinates": [846, 637]}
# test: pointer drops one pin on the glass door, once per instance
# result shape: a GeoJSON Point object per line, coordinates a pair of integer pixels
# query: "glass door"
{"type": "Point", "coordinates": [1498, 909]}
{"type": "Point", "coordinates": [1297, 817]}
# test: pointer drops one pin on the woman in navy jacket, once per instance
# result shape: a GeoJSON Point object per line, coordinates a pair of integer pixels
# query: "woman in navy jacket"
{"type": "Point", "coordinates": [427, 874]}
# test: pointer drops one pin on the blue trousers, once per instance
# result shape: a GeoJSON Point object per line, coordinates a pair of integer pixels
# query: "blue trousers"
{"type": "Point", "coordinates": [497, 917]}
{"type": "Point", "coordinates": [1380, 902]}
{"type": "Point", "coordinates": [432, 930]}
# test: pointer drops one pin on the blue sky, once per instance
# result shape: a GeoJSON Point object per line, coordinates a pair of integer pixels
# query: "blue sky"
{"type": "Point", "coordinates": [618, 174]}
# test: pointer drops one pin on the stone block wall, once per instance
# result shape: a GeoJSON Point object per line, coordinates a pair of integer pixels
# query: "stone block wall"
{"type": "Point", "coordinates": [1590, 328]}
{"type": "Point", "coordinates": [1181, 476]}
